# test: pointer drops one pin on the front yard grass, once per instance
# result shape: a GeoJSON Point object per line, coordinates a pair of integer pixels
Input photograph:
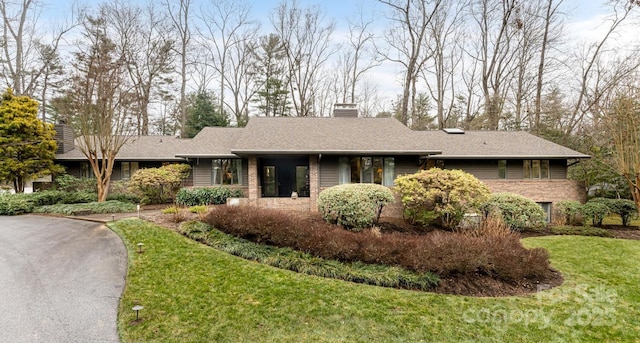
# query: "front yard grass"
{"type": "Point", "coordinates": [194, 293]}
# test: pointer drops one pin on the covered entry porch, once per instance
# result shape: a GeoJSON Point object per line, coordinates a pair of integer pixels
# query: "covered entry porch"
{"type": "Point", "coordinates": [288, 182]}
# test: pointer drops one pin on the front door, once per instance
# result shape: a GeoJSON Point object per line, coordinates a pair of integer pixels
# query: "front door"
{"type": "Point", "coordinates": [281, 176]}
{"type": "Point", "coordinates": [269, 181]}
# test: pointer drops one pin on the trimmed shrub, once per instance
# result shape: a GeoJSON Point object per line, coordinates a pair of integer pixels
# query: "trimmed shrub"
{"type": "Point", "coordinates": [494, 252]}
{"type": "Point", "coordinates": [581, 231]}
{"type": "Point", "coordinates": [94, 207]}
{"type": "Point", "coordinates": [517, 212]}
{"type": "Point", "coordinates": [119, 190]}
{"type": "Point", "coordinates": [568, 210]}
{"type": "Point", "coordinates": [596, 210]}
{"type": "Point", "coordinates": [158, 185]}
{"type": "Point", "coordinates": [60, 197]}
{"type": "Point", "coordinates": [354, 206]}
{"type": "Point", "coordinates": [625, 208]}
{"type": "Point", "coordinates": [440, 196]}
{"type": "Point", "coordinates": [14, 204]}
{"type": "Point", "coordinates": [70, 183]}
{"type": "Point", "coordinates": [207, 195]}
{"type": "Point", "coordinates": [124, 197]}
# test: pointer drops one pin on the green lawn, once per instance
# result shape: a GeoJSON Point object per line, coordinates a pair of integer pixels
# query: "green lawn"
{"type": "Point", "coordinates": [193, 293]}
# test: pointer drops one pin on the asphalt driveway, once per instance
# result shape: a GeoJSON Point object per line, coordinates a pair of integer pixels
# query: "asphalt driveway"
{"type": "Point", "coordinates": [60, 280]}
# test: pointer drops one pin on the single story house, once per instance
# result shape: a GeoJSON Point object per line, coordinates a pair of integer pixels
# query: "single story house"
{"type": "Point", "coordinates": [285, 162]}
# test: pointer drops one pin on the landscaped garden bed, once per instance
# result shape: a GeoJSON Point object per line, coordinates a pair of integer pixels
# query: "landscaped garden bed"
{"type": "Point", "coordinates": [491, 263]}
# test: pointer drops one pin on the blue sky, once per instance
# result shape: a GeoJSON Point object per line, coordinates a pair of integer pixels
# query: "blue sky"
{"type": "Point", "coordinates": [340, 9]}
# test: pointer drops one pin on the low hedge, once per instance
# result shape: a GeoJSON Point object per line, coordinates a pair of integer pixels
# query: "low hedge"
{"type": "Point", "coordinates": [11, 205]}
{"type": "Point", "coordinates": [285, 258]}
{"type": "Point", "coordinates": [15, 204]}
{"type": "Point", "coordinates": [498, 253]}
{"type": "Point", "coordinates": [206, 195]}
{"type": "Point", "coordinates": [111, 206]}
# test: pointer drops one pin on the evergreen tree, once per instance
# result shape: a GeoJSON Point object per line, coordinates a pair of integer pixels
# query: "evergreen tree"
{"type": "Point", "coordinates": [272, 96]}
{"type": "Point", "coordinates": [203, 111]}
{"type": "Point", "coordinates": [27, 144]}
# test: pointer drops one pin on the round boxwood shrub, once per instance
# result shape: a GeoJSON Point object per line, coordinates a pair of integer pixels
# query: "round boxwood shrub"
{"type": "Point", "coordinates": [595, 210]}
{"type": "Point", "coordinates": [440, 196]}
{"type": "Point", "coordinates": [516, 211]}
{"type": "Point", "coordinates": [354, 206]}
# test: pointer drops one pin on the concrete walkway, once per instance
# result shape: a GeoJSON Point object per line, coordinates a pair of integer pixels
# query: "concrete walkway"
{"type": "Point", "coordinates": [60, 280]}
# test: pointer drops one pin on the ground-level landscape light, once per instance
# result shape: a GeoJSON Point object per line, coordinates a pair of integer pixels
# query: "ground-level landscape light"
{"type": "Point", "coordinates": [113, 217]}
{"type": "Point", "coordinates": [137, 308]}
{"type": "Point", "coordinates": [140, 247]}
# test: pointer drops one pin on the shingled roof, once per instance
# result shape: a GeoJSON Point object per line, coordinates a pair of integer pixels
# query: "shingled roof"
{"type": "Point", "coordinates": [494, 145]}
{"type": "Point", "coordinates": [313, 135]}
{"type": "Point", "coordinates": [212, 142]}
{"type": "Point", "coordinates": [138, 148]}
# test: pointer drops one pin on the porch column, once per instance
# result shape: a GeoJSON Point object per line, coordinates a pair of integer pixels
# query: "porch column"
{"type": "Point", "coordinates": [314, 182]}
{"type": "Point", "coordinates": [253, 180]}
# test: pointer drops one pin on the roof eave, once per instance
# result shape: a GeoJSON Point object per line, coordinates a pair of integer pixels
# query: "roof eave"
{"type": "Point", "coordinates": [336, 152]}
{"type": "Point", "coordinates": [207, 155]}
{"type": "Point", "coordinates": [514, 157]}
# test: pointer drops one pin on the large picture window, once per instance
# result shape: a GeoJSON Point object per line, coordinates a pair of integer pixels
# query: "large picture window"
{"type": "Point", "coordinates": [226, 171]}
{"type": "Point", "coordinates": [536, 169]}
{"type": "Point", "coordinates": [380, 170]}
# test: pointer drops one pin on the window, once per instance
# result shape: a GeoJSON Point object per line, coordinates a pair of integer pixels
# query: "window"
{"type": "Point", "coordinates": [379, 170]}
{"type": "Point", "coordinates": [226, 171]}
{"type": "Point", "coordinates": [546, 207]}
{"type": "Point", "coordinates": [302, 181]}
{"type": "Point", "coordinates": [127, 169]}
{"type": "Point", "coordinates": [502, 169]}
{"type": "Point", "coordinates": [536, 169]}
{"type": "Point", "coordinates": [85, 171]}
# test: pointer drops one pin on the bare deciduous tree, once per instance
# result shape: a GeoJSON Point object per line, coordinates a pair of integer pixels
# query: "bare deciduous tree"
{"type": "Point", "coordinates": [101, 99]}
{"type": "Point", "coordinates": [143, 38]}
{"type": "Point", "coordinates": [592, 86]}
{"type": "Point", "coordinates": [307, 44]}
{"type": "Point", "coordinates": [406, 37]}
{"type": "Point", "coordinates": [444, 46]}
{"type": "Point", "coordinates": [225, 31]}
{"type": "Point", "coordinates": [357, 57]}
{"type": "Point", "coordinates": [30, 61]}
{"type": "Point", "coordinates": [180, 17]}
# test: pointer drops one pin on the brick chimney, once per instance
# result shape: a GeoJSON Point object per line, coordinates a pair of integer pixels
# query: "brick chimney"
{"type": "Point", "coordinates": [345, 110]}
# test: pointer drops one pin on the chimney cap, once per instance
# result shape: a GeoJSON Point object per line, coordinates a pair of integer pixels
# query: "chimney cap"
{"type": "Point", "coordinates": [345, 110]}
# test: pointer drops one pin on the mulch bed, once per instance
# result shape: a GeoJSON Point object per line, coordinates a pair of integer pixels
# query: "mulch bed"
{"type": "Point", "coordinates": [477, 285]}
